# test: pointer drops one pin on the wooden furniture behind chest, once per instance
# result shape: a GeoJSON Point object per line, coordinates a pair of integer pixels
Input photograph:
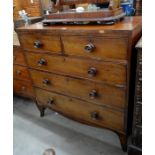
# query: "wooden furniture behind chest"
{"type": "Point", "coordinates": [136, 147]}
{"type": "Point", "coordinates": [83, 72]}
{"type": "Point", "coordinates": [32, 8]}
{"type": "Point", "coordinates": [138, 7]}
{"type": "Point", "coordinates": [22, 83]}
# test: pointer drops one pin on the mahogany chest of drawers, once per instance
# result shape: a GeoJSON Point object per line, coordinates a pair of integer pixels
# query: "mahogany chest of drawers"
{"type": "Point", "coordinates": [83, 72]}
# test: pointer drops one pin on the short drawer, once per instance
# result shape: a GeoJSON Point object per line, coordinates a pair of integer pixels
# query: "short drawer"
{"type": "Point", "coordinates": [18, 56]}
{"type": "Point", "coordinates": [97, 93]}
{"type": "Point", "coordinates": [100, 71]}
{"type": "Point", "coordinates": [23, 88]}
{"type": "Point", "coordinates": [21, 72]}
{"type": "Point", "coordinates": [40, 42]}
{"type": "Point", "coordinates": [81, 111]}
{"type": "Point", "coordinates": [96, 47]}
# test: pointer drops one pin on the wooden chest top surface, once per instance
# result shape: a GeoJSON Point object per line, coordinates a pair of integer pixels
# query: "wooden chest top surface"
{"type": "Point", "coordinates": [128, 24]}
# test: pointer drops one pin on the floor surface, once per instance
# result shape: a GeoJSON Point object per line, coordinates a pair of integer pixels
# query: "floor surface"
{"type": "Point", "coordinates": [33, 134]}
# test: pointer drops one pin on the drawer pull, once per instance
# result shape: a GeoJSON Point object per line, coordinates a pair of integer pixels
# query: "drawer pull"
{"type": "Point", "coordinates": [46, 81]}
{"type": "Point", "coordinates": [89, 48]}
{"type": "Point", "coordinates": [42, 62]}
{"type": "Point", "coordinates": [23, 88]}
{"type": "Point", "coordinates": [94, 115]}
{"type": "Point", "coordinates": [18, 72]}
{"type": "Point", "coordinates": [93, 94]}
{"type": "Point", "coordinates": [92, 72]}
{"type": "Point", "coordinates": [50, 101]}
{"type": "Point", "coordinates": [37, 44]}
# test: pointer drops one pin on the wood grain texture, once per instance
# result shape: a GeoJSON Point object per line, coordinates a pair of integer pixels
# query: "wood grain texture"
{"type": "Point", "coordinates": [23, 88]}
{"type": "Point", "coordinates": [18, 57]}
{"type": "Point", "coordinates": [106, 71]}
{"type": "Point", "coordinates": [87, 15]}
{"type": "Point", "coordinates": [22, 84]}
{"type": "Point", "coordinates": [67, 68]}
{"type": "Point", "coordinates": [48, 43]}
{"type": "Point", "coordinates": [106, 95]}
{"type": "Point", "coordinates": [21, 72]}
{"type": "Point", "coordinates": [114, 48]}
{"type": "Point", "coordinates": [81, 110]}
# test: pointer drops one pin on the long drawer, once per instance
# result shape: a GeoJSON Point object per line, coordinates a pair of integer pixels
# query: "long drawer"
{"type": "Point", "coordinates": [100, 71]}
{"type": "Point", "coordinates": [21, 72]}
{"type": "Point", "coordinates": [18, 57]}
{"type": "Point", "coordinates": [96, 47]}
{"type": "Point", "coordinates": [81, 111]}
{"type": "Point", "coordinates": [40, 42]}
{"type": "Point", "coordinates": [23, 88]}
{"type": "Point", "coordinates": [90, 91]}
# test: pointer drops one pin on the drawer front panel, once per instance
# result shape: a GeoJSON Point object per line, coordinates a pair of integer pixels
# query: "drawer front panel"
{"type": "Point", "coordinates": [18, 56]}
{"type": "Point", "coordinates": [21, 72]}
{"type": "Point", "coordinates": [99, 71]}
{"type": "Point", "coordinates": [40, 42]}
{"type": "Point", "coordinates": [92, 92]}
{"type": "Point", "coordinates": [82, 111]}
{"type": "Point", "coordinates": [23, 88]}
{"type": "Point", "coordinates": [96, 47]}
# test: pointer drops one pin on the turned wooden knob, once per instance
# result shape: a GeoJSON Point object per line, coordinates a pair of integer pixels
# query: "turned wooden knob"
{"type": "Point", "coordinates": [93, 94]}
{"type": "Point", "coordinates": [92, 71]}
{"type": "Point", "coordinates": [89, 47]}
{"type": "Point", "coordinates": [37, 44]}
{"type": "Point", "coordinates": [23, 88]}
{"type": "Point", "coordinates": [50, 101]}
{"type": "Point", "coordinates": [42, 61]}
{"type": "Point", "coordinates": [46, 81]}
{"type": "Point", "coordinates": [94, 115]}
{"type": "Point", "coordinates": [18, 72]}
